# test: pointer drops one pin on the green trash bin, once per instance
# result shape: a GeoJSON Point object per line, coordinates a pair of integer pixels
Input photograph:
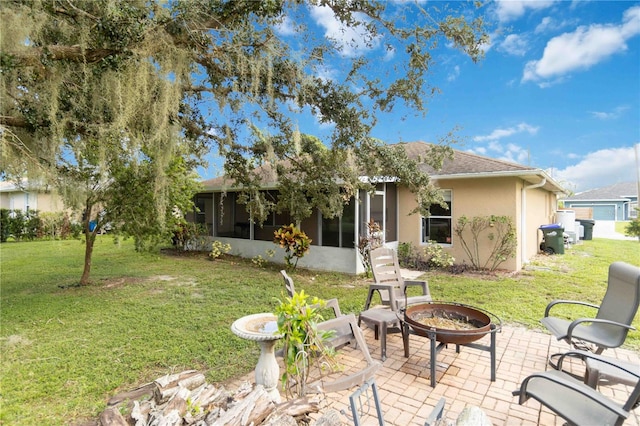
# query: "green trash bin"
{"type": "Point", "coordinates": [588, 225]}
{"type": "Point", "coordinates": [553, 242]}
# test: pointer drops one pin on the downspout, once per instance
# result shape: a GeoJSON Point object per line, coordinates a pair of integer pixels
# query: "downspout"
{"type": "Point", "coordinates": [523, 219]}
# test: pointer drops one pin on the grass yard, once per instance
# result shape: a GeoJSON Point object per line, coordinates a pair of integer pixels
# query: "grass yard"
{"type": "Point", "coordinates": [66, 350]}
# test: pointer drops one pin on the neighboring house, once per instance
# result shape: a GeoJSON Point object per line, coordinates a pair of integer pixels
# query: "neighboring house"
{"type": "Point", "coordinates": [26, 198]}
{"type": "Point", "coordinates": [473, 186]}
{"type": "Point", "coordinates": [615, 202]}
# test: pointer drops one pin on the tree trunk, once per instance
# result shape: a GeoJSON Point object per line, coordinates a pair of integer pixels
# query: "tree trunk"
{"type": "Point", "coordinates": [90, 238]}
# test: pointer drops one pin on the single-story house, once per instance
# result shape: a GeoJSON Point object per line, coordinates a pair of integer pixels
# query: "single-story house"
{"type": "Point", "coordinates": [614, 202]}
{"type": "Point", "coordinates": [473, 185]}
{"type": "Point", "coordinates": [28, 197]}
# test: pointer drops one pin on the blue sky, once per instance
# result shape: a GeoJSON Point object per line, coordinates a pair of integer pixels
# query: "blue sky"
{"type": "Point", "coordinates": [558, 89]}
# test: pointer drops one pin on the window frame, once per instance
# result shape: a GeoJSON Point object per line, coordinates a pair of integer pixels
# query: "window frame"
{"type": "Point", "coordinates": [425, 221]}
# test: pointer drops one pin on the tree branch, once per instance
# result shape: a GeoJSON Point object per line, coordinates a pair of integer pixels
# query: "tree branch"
{"type": "Point", "coordinates": [62, 53]}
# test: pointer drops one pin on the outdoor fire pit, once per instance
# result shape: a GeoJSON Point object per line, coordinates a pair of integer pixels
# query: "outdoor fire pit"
{"type": "Point", "coordinates": [452, 323]}
{"type": "Point", "coordinates": [448, 322]}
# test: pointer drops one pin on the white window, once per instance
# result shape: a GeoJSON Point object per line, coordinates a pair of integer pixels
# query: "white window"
{"type": "Point", "coordinates": [438, 226]}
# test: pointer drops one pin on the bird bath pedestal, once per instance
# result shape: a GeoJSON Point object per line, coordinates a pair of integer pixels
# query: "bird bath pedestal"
{"type": "Point", "coordinates": [262, 328]}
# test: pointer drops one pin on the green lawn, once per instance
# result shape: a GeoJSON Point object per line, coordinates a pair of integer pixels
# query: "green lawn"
{"type": "Point", "coordinates": [66, 350]}
{"type": "Point", "coordinates": [621, 227]}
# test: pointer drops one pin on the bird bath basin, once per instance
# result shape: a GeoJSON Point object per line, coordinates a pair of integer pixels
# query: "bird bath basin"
{"type": "Point", "coordinates": [262, 328]}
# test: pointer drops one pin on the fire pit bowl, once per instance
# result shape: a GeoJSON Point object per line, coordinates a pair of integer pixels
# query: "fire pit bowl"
{"type": "Point", "coordinates": [453, 322]}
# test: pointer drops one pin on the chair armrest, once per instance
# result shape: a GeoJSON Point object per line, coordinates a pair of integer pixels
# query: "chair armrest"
{"type": "Point", "coordinates": [567, 381]}
{"type": "Point", "coordinates": [329, 304]}
{"type": "Point", "coordinates": [568, 302]}
{"type": "Point", "coordinates": [586, 354]}
{"type": "Point", "coordinates": [423, 284]}
{"type": "Point", "coordinates": [382, 286]}
{"type": "Point", "coordinates": [580, 321]}
{"type": "Point", "coordinates": [333, 304]}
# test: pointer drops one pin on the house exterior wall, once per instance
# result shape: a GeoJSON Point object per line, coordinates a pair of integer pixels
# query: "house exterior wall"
{"type": "Point", "coordinates": [484, 197]}
{"type": "Point", "coordinates": [500, 196]}
{"type": "Point", "coordinates": [41, 201]}
{"type": "Point", "coordinates": [541, 209]}
{"type": "Point", "coordinates": [319, 258]}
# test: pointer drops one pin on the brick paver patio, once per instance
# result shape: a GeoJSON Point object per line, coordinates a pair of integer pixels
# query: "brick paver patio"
{"type": "Point", "coordinates": [463, 379]}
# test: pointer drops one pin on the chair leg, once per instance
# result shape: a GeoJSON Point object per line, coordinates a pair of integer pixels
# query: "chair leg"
{"type": "Point", "coordinates": [383, 341]}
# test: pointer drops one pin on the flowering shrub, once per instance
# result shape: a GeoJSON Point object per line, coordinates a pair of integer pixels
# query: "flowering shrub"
{"type": "Point", "coordinates": [260, 261]}
{"type": "Point", "coordinates": [437, 257]}
{"type": "Point", "coordinates": [371, 241]}
{"type": "Point", "coordinates": [219, 248]}
{"type": "Point", "coordinates": [294, 242]}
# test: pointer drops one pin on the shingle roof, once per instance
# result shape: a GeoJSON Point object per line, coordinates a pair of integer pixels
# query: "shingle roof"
{"type": "Point", "coordinates": [612, 192]}
{"type": "Point", "coordinates": [267, 177]}
{"type": "Point", "coordinates": [463, 162]}
{"type": "Point", "coordinates": [463, 165]}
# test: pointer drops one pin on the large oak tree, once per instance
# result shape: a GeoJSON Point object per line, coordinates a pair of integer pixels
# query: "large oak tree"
{"type": "Point", "coordinates": [116, 102]}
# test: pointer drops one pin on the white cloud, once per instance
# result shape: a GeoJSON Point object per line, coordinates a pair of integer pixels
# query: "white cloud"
{"type": "Point", "coordinates": [390, 53]}
{"type": "Point", "coordinates": [599, 169]}
{"type": "Point", "coordinates": [503, 133]}
{"type": "Point", "coordinates": [511, 152]}
{"type": "Point", "coordinates": [454, 74]}
{"type": "Point", "coordinates": [583, 48]}
{"type": "Point", "coordinates": [515, 45]}
{"type": "Point", "coordinates": [286, 27]}
{"type": "Point", "coordinates": [326, 73]}
{"type": "Point", "coordinates": [610, 115]}
{"type": "Point", "coordinates": [510, 10]}
{"type": "Point", "coordinates": [548, 24]}
{"type": "Point", "coordinates": [544, 25]}
{"type": "Point", "coordinates": [352, 40]}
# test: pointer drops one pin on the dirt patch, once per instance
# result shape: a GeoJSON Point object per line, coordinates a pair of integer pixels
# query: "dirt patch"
{"type": "Point", "coordinates": [120, 281]}
{"type": "Point", "coordinates": [16, 340]}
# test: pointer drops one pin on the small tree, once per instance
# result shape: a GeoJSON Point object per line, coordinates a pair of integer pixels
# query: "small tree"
{"type": "Point", "coordinates": [633, 227]}
{"type": "Point", "coordinates": [499, 231]}
{"type": "Point", "coordinates": [303, 343]}
{"type": "Point", "coordinates": [294, 242]}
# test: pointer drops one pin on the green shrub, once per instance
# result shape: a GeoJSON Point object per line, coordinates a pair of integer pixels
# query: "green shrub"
{"type": "Point", "coordinates": [437, 258]}
{"type": "Point", "coordinates": [499, 230]}
{"type": "Point", "coordinates": [4, 225]}
{"type": "Point", "coordinates": [633, 227]}
{"type": "Point", "coordinates": [430, 257]}
{"type": "Point", "coordinates": [218, 248]}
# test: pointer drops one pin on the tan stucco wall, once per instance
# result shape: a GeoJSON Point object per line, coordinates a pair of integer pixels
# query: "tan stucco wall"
{"type": "Point", "coordinates": [43, 202]}
{"type": "Point", "coordinates": [541, 207]}
{"type": "Point", "coordinates": [483, 197]}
